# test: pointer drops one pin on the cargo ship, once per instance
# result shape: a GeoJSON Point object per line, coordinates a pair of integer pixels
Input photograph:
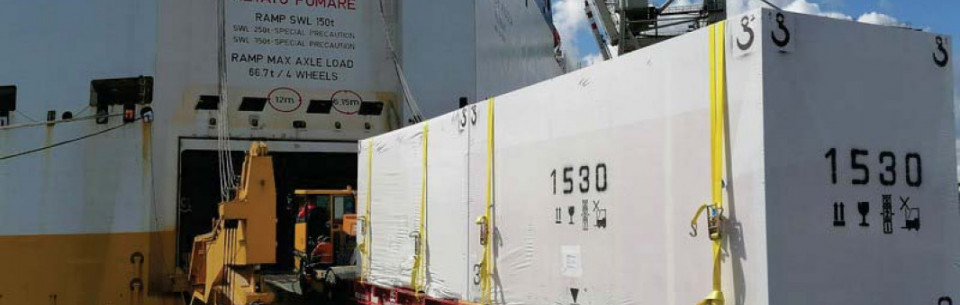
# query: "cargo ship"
{"type": "Point", "coordinates": [185, 152]}
{"type": "Point", "coordinates": [123, 120]}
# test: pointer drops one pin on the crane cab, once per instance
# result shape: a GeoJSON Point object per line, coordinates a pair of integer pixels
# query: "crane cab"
{"type": "Point", "coordinates": [325, 229]}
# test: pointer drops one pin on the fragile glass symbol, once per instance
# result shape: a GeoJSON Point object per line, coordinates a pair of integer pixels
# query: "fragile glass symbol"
{"type": "Point", "coordinates": [863, 207]}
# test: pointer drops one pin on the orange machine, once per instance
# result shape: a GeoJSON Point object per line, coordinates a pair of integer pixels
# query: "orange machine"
{"type": "Point", "coordinates": [224, 263]}
{"type": "Point", "coordinates": [324, 237]}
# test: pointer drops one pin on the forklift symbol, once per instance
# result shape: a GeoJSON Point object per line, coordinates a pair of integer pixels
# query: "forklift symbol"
{"type": "Point", "coordinates": [911, 216]}
{"type": "Point", "coordinates": [887, 214]}
{"type": "Point", "coordinates": [601, 215]}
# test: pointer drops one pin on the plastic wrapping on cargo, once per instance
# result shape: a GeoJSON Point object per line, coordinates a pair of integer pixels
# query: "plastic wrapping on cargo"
{"type": "Point", "coordinates": [839, 175]}
{"type": "Point", "coordinates": [395, 205]}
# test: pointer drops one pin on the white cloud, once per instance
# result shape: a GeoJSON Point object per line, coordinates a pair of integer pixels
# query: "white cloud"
{"type": "Point", "coordinates": [591, 59]}
{"type": "Point", "coordinates": [879, 19]}
{"type": "Point", "coordinates": [570, 18]}
{"type": "Point", "coordinates": [813, 8]}
{"type": "Point", "coordinates": [804, 7]}
{"type": "Point", "coordinates": [735, 7]}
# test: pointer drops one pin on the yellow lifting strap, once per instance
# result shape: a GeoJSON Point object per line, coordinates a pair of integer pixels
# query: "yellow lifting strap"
{"type": "Point", "coordinates": [486, 221]}
{"type": "Point", "coordinates": [717, 109]}
{"type": "Point", "coordinates": [365, 246]}
{"type": "Point", "coordinates": [419, 268]}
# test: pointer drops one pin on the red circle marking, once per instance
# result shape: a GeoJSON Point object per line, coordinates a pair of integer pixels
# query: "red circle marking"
{"type": "Point", "coordinates": [346, 91]}
{"type": "Point", "coordinates": [270, 99]}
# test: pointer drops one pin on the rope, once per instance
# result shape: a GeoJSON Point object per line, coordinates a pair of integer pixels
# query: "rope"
{"type": "Point", "coordinates": [37, 123]}
{"type": "Point", "coordinates": [25, 115]}
{"type": "Point", "coordinates": [225, 161]}
{"type": "Point", "coordinates": [153, 199]}
{"type": "Point", "coordinates": [415, 114]}
{"type": "Point", "coordinates": [223, 141]}
{"type": "Point", "coordinates": [81, 111]}
{"type": "Point", "coordinates": [224, 158]}
{"type": "Point", "coordinates": [27, 152]}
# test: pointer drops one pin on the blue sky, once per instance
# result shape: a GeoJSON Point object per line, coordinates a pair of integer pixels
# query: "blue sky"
{"type": "Point", "coordinates": [939, 16]}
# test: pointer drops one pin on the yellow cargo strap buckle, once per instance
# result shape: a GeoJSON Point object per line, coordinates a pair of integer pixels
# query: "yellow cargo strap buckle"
{"type": "Point", "coordinates": [482, 222]}
{"type": "Point", "coordinates": [714, 221]}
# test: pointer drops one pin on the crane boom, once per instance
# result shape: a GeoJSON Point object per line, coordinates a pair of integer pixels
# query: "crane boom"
{"type": "Point", "coordinates": [601, 42]}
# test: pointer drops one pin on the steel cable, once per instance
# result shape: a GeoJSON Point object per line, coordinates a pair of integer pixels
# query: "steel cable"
{"type": "Point", "coordinates": [27, 152]}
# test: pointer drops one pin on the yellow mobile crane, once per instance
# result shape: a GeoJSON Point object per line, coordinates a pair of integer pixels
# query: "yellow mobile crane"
{"type": "Point", "coordinates": [225, 264]}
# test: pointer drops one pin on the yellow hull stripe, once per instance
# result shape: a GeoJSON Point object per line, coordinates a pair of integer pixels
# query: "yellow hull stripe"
{"type": "Point", "coordinates": [87, 268]}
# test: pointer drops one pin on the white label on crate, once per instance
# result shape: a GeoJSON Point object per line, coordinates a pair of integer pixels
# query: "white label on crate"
{"type": "Point", "coordinates": [571, 262]}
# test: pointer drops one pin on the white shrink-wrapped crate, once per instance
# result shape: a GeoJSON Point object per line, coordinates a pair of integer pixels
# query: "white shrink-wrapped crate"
{"type": "Point", "coordinates": [839, 182]}
{"type": "Point", "coordinates": [395, 166]}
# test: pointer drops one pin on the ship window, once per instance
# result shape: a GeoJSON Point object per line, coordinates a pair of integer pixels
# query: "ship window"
{"type": "Point", "coordinates": [8, 99]}
{"type": "Point", "coordinates": [118, 91]}
{"type": "Point", "coordinates": [253, 103]}
{"type": "Point", "coordinates": [319, 106]}
{"type": "Point", "coordinates": [208, 102]}
{"type": "Point", "coordinates": [371, 108]}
